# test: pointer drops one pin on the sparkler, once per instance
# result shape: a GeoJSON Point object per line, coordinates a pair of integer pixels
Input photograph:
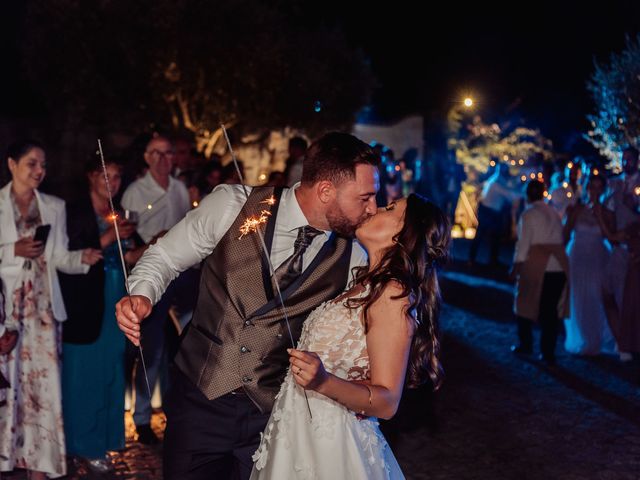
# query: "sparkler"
{"type": "Point", "coordinates": [252, 224]}
{"type": "Point", "coordinates": [114, 217]}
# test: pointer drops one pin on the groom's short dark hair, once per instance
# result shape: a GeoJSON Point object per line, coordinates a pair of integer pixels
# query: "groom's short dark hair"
{"type": "Point", "coordinates": [334, 157]}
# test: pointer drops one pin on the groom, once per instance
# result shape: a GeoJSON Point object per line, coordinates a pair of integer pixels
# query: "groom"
{"type": "Point", "coordinates": [232, 358]}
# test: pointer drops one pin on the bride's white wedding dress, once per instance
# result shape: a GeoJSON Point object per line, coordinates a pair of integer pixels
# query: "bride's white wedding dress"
{"type": "Point", "coordinates": [334, 444]}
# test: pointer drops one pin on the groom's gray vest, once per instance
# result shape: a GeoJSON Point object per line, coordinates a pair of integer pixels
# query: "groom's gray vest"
{"type": "Point", "coordinates": [237, 337]}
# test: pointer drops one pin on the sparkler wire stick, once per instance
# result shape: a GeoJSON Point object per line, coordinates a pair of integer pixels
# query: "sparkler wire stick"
{"type": "Point", "coordinates": [114, 217]}
{"type": "Point", "coordinates": [265, 251]}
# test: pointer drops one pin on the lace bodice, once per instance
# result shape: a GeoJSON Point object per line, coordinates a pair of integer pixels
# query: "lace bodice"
{"type": "Point", "coordinates": [334, 443]}
{"type": "Point", "coordinates": [336, 333]}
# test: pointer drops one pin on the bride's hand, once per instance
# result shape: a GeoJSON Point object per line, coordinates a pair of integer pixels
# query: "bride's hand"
{"type": "Point", "coordinates": [308, 370]}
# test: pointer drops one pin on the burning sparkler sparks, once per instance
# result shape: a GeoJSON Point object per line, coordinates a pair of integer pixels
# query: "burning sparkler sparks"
{"type": "Point", "coordinates": [252, 223]}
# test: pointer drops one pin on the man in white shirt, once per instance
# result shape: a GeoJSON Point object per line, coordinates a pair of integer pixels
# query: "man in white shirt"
{"type": "Point", "coordinates": [161, 201]}
{"type": "Point", "coordinates": [233, 355]}
{"type": "Point", "coordinates": [541, 265]}
{"type": "Point", "coordinates": [496, 194]}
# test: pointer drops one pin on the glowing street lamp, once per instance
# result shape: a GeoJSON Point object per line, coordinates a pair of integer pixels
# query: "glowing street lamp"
{"type": "Point", "coordinates": [468, 102]}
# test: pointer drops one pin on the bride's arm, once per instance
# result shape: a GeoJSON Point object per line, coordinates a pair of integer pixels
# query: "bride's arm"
{"type": "Point", "coordinates": [388, 343]}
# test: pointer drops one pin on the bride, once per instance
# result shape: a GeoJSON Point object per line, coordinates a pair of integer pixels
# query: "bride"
{"type": "Point", "coordinates": [357, 352]}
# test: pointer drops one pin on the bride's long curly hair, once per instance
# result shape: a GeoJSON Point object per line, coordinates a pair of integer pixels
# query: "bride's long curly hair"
{"type": "Point", "coordinates": [412, 261]}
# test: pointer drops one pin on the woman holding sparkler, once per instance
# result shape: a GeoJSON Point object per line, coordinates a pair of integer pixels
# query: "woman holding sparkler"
{"type": "Point", "coordinates": [93, 379]}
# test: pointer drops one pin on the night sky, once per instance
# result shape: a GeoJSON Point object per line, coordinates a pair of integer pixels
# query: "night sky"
{"type": "Point", "coordinates": [537, 55]}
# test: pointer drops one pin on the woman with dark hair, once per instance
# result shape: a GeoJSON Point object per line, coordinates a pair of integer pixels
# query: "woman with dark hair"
{"type": "Point", "coordinates": [31, 432]}
{"type": "Point", "coordinates": [357, 352]}
{"type": "Point", "coordinates": [93, 371]}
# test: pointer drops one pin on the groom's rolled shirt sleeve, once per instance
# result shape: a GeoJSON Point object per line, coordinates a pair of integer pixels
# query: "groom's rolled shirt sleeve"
{"type": "Point", "coordinates": [187, 243]}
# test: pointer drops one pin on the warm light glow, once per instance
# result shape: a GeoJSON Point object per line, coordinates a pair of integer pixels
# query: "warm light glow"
{"type": "Point", "coordinates": [468, 102]}
{"type": "Point", "coordinates": [539, 174]}
{"type": "Point", "coordinates": [456, 231]}
{"type": "Point", "coordinates": [569, 195]}
{"type": "Point", "coordinates": [149, 207]}
{"type": "Point", "coordinates": [570, 165]}
{"type": "Point", "coordinates": [523, 178]}
{"type": "Point", "coordinates": [505, 157]}
{"type": "Point", "coordinates": [195, 204]}
{"type": "Point", "coordinates": [565, 184]}
{"type": "Point", "coordinates": [596, 172]}
{"type": "Point", "coordinates": [637, 191]}
{"type": "Point", "coordinates": [513, 162]}
{"type": "Point", "coordinates": [521, 162]}
{"type": "Point", "coordinates": [533, 175]}
{"type": "Point", "coordinates": [252, 224]}
{"type": "Point", "coordinates": [469, 233]}
{"type": "Point", "coordinates": [546, 194]}
{"type": "Point", "coordinates": [397, 168]}
{"type": "Point", "coordinates": [492, 163]}
{"type": "Point", "coordinates": [113, 217]}
{"type": "Point", "coordinates": [262, 177]}
{"type": "Point", "coordinates": [549, 197]}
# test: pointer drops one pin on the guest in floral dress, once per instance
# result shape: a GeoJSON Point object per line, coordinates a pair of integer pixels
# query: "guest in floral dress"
{"type": "Point", "coordinates": [31, 430]}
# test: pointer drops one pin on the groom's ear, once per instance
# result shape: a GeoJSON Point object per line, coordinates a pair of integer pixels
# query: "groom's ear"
{"type": "Point", "coordinates": [326, 191]}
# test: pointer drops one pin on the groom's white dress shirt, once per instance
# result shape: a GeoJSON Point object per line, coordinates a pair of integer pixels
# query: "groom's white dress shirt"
{"type": "Point", "coordinates": [195, 237]}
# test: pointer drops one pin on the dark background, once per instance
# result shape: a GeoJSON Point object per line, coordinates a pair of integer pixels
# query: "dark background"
{"type": "Point", "coordinates": [533, 58]}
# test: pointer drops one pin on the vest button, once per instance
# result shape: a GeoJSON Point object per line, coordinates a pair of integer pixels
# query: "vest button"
{"type": "Point", "coordinates": [244, 349]}
{"type": "Point", "coordinates": [246, 379]}
{"type": "Point", "coordinates": [279, 335]}
{"type": "Point", "coordinates": [247, 323]}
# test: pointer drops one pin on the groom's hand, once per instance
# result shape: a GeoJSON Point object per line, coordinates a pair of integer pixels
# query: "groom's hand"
{"type": "Point", "coordinates": [130, 311]}
{"type": "Point", "coordinates": [308, 370]}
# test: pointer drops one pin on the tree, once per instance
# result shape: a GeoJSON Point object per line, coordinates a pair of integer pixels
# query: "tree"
{"type": "Point", "coordinates": [191, 65]}
{"type": "Point", "coordinates": [615, 89]}
{"type": "Point", "coordinates": [476, 144]}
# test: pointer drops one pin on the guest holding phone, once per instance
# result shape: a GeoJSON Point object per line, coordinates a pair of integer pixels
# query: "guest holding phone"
{"type": "Point", "coordinates": [93, 380]}
{"type": "Point", "coordinates": [31, 432]}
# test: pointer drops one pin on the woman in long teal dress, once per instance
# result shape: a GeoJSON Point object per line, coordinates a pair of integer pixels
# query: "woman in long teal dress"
{"type": "Point", "coordinates": [93, 346]}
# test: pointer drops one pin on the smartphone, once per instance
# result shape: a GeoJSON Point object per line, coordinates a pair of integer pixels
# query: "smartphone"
{"type": "Point", "coordinates": [42, 233]}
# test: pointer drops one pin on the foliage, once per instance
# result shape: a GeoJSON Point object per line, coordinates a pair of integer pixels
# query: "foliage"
{"type": "Point", "coordinates": [476, 144]}
{"type": "Point", "coordinates": [191, 65]}
{"type": "Point", "coordinates": [615, 89]}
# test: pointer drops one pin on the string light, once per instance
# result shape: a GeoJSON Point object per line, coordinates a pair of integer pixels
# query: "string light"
{"type": "Point", "coordinates": [149, 207]}
{"type": "Point", "coordinates": [596, 172]}
{"type": "Point", "coordinates": [569, 195]}
{"type": "Point", "coordinates": [195, 204]}
{"type": "Point", "coordinates": [570, 165]}
{"type": "Point", "coordinates": [533, 175]}
{"type": "Point", "coordinates": [565, 184]}
{"type": "Point", "coordinates": [523, 178]}
{"type": "Point", "coordinates": [521, 161]}
{"type": "Point", "coordinates": [492, 163]}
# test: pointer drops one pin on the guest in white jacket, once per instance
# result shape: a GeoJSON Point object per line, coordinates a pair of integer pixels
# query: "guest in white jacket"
{"type": "Point", "coordinates": [31, 431]}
